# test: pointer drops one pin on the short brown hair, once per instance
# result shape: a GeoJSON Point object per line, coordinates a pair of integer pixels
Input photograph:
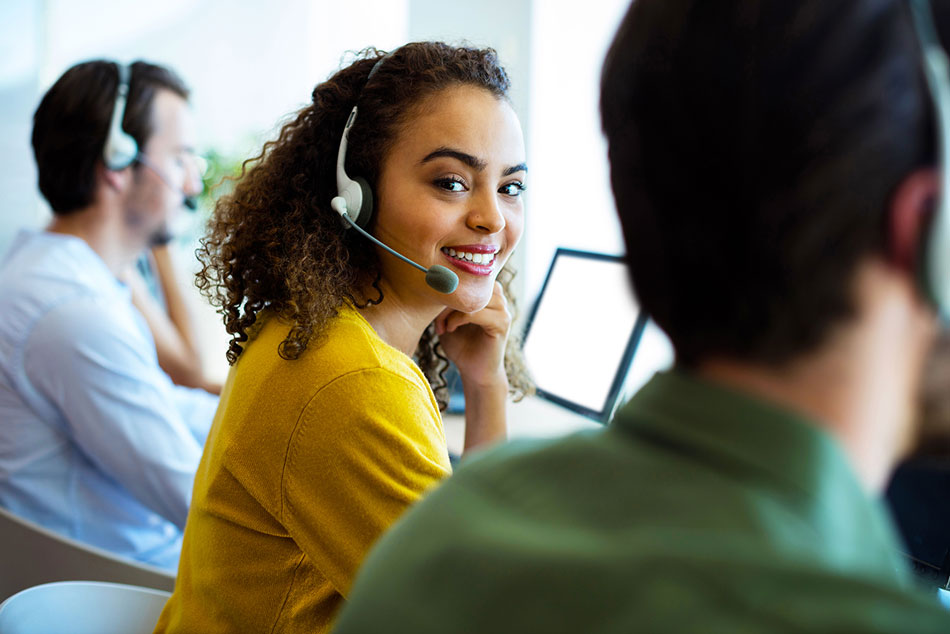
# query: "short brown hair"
{"type": "Point", "coordinates": [72, 121]}
{"type": "Point", "coordinates": [752, 179]}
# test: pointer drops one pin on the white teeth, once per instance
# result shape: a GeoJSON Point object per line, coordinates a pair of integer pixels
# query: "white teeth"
{"type": "Point", "coordinates": [474, 258]}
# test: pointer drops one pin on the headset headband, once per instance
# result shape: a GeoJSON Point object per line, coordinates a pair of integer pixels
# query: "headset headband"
{"type": "Point", "coordinates": [354, 194]}
{"type": "Point", "coordinates": [120, 149]}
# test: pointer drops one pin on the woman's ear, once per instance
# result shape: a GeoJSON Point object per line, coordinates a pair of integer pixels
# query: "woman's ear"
{"type": "Point", "coordinates": [911, 207]}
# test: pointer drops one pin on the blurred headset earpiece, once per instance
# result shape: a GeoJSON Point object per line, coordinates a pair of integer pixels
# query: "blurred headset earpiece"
{"type": "Point", "coordinates": [934, 271]}
{"type": "Point", "coordinates": [120, 149]}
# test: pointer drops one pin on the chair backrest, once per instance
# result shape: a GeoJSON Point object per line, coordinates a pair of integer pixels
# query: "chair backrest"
{"type": "Point", "coordinates": [31, 555]}
{"type": "Point", "coordinates": [82, 607]}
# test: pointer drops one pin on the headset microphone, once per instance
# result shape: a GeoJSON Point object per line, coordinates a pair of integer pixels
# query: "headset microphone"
{"type": "Point", "coordinates": [190, 202]}
{"type": "Point", "coordinates": [438, 277]}
{"type": "Point", "coordinates": [354, 203]}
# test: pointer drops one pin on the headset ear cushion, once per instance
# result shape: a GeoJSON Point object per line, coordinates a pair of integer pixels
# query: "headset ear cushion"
{"type": "Point", "coordinates": [120, 150]}
{"type": "Point", "coordinates": [368, 207]}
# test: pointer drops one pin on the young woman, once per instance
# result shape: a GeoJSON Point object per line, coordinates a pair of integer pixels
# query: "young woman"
{"type": "Point", "coordinates": [329, 423]}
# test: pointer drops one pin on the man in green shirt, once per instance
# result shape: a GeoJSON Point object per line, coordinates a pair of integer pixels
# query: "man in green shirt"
{"type": "Point", "coordinates": [772, 164]}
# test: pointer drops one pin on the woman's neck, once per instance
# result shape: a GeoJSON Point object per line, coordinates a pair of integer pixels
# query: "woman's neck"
{"type": "Point", "coordinates": [398, 322]}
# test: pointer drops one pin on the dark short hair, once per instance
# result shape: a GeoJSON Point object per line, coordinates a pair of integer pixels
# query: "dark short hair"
{"type": "Point", "coordinates": [754, 147]}
{"type": "Point", "coordinates": [71, 123]}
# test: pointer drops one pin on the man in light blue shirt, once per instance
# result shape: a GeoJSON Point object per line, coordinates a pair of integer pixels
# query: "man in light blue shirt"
{"type": "Point", "coordinates": [96, 442]}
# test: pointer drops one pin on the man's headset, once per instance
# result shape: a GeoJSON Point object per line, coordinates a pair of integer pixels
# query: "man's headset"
{"type": "Point", "coordinates": [934, 272]}
{"type": "Point", "coordinates": [354, 203]}
{"type": "Point", "coordinates": [121, 150]}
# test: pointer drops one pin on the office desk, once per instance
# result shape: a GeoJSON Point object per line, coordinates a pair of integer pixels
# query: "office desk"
{"type": "Point", "coordinates": [533, 417]}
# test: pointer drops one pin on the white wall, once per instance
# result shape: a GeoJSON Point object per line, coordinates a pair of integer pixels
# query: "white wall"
{"type": "Point", "coordinates": [571, 202]}
{"type": "Point", "coordinates": [504, 25]}
{"type": "Point", "coordinates": [20, 54]}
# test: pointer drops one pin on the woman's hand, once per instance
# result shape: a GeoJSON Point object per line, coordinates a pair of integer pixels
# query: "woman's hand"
{"type": "Point", "coordinates": [475, 342]}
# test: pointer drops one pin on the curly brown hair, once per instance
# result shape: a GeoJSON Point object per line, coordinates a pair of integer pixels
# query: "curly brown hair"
{"type": "Point", "coordinates": [274, 243]}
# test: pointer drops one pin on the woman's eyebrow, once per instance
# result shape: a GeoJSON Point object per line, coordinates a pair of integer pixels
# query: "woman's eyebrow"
{"type": "Point", "coordinates": [472, 161]}
{"type": "Point", "coordinates": [520, 167]}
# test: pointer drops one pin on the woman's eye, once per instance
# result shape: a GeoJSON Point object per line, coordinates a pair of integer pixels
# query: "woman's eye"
{"type": "Point", "coordinates": [450, 184]}
{"type": "Point", "coordinates": [512, 189]}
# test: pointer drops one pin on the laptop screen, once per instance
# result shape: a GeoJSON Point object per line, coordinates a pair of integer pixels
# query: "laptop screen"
{"type": "Point", "coordinates": [583, 332]}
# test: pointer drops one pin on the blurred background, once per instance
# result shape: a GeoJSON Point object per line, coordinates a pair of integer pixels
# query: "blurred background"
{"type": "Point", "coordinates": [250, 65]}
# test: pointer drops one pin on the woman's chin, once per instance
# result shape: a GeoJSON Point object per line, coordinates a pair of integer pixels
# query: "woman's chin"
{"type": "Point", "coordinates": [468, 300]}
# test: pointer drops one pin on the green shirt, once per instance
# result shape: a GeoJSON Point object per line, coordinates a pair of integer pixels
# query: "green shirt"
{"type": "Point", "coordinates": [698, 510]}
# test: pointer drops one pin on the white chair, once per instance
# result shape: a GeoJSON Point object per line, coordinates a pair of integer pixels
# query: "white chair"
{"type": "Point", "coordinates": [31, 555]}
{"type": "Point", "coordinates": [82, 607]}
{"type": "Point", "coordinates": [943, 595]}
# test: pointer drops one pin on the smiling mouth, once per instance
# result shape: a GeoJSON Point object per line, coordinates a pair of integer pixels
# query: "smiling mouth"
{"type": "Point", "coordinates": [483, 259]}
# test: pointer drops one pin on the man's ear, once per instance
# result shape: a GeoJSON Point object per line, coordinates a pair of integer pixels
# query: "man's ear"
{"type": "Point", "coordinates": [911, 208]}
{"type": "Point", "coordinates": [116, 180]}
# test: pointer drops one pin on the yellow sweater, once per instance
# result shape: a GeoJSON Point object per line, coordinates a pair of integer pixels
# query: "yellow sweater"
{"type": "Point", "coordinates": [307, 463]}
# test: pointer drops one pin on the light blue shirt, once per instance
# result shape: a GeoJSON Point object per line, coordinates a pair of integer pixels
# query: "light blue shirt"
{"type": "Point", "coordinates": [96, 442]}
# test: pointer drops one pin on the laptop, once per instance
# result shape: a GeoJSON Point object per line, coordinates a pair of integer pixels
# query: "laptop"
{"type": "Point", "coordinates": [587, 343]}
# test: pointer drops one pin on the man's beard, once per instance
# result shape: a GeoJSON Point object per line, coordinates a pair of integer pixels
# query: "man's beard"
{"type": "Point", "coordinates": [161, 236]}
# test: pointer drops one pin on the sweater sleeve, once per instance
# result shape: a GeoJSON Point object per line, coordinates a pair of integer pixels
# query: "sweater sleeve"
{"type": "Point", "coordinates": [366, 447]}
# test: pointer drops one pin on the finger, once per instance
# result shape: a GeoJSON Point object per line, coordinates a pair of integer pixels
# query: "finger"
{"type": "Point", "coordinates": [449, 319]}
{"type": "Point", "coordinates": [498, 296]}
{"type": "Point", "coordinates": [494, 320]}
{"type": "Point", "coordinates": [440, 320]}
{"type": "Point", "coordinates": [454, 320]}
{"type": "Point", "coordinates": [499, 304]}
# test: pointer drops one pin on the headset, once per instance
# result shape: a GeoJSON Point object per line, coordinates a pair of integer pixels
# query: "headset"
{"type": "Point", "coordinates": [354, 203]}
{"type": "Point", "coordinates": [934, 271]}
{"type": "Point", "coordinates": [121, 150]}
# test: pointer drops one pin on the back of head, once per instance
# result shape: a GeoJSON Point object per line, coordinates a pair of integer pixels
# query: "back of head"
{"type": "Point", "coordinates": [754, 146]}
{"type": "Point", "coordinates": [71, 124]}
